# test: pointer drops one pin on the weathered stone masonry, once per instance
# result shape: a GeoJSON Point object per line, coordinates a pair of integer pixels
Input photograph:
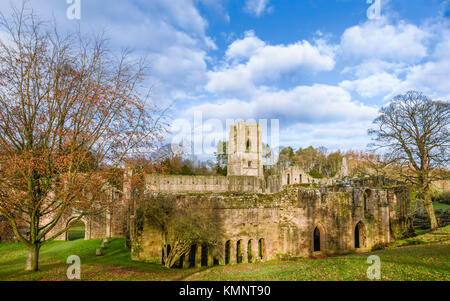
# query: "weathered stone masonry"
{"type": "Point", "coordinates": [269, 226]}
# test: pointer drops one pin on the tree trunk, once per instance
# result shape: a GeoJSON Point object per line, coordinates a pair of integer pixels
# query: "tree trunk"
{"type": "Point", "coordinates": [430, 210]}
{"type": "Point", "coordinates": [33, 258]}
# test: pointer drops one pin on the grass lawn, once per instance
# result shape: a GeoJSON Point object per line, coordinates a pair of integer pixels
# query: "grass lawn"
{"type": "Point", "coordinates": [424, 257]}
{"type": "Point", "coordinates": [115, 264]}
{"type": "Point", "coordinates": [436, 206]}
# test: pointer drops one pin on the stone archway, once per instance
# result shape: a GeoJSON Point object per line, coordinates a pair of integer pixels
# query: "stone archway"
{"type": "Point", "coordinates": [78, 229]}
{"type": "Point", "coordinates": [360, 236]}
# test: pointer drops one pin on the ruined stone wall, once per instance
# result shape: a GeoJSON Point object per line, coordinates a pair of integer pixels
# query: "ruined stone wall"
{"type": "Point", "coordinates": [283, 224]}
{"type": "Point", "coordinates": [181, 183]}
{"type": "Point", "coordinates": [100, 224]}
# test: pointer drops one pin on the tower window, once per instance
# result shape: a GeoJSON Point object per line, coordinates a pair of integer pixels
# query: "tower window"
{"type": "Point", "coordinates": [248, 145]}
{"type": "Point", "coordinates": [249, 163]}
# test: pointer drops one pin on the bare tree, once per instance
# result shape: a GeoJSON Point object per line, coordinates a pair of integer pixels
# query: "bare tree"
{"type": "Point", "coordinates": [183, 222]}
{"type": "Point", "coordinates": [415, 131]}
{"type": "Point", "coordinates": [70, 110]}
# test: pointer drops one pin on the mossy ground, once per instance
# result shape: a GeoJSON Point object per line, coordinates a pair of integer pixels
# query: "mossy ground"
{"type": "Point", "coordinates": [424, 257]}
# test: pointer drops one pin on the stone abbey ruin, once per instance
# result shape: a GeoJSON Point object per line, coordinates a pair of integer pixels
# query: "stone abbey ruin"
{"type": "Point", "coordinates": [282, 216]}
{"type": "Point", "coordinates": [260, 218]}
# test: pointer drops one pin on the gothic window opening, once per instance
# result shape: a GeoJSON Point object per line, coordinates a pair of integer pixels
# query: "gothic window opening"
{"type": "Point", "coordinates": [261, 248]}
{"type": "Point", "coordinates": [239, 251]}
{"type": "Point", "coordinates": [249, 251]}
{"type": "Point", "coordinates": [367, 195]}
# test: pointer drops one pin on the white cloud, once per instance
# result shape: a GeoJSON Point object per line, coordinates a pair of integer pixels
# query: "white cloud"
{"type": "Point", "coordinates": [380, 40]}
{"type": "Point", "coordinates": [266, 64]}
{"type": "Point", "coordinates": [374, 85]}
{"type": "Point", "coordinates": [313, 104]}
{"type": "Point", "coordinates": [257, 7]}
{"type": "Point", "coordinates": [246, 47]}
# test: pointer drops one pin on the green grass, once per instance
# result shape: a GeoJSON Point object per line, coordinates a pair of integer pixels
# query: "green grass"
{"type": "Point", "coordinates": [115, 264]}
{"type": "Point", "coordinates": [423, 262]}
{"type": "Point", "coordinates": [436, 206]}
{"type": "Point", "coordinates": [424, 257]}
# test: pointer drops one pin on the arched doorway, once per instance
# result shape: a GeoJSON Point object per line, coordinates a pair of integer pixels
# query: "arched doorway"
{"type": "Point", "coordinates": [76, 231]}
{"type": "Point", "coordinates": [360, 235]}
{"type": "Point", "coordinates": [316, 239]}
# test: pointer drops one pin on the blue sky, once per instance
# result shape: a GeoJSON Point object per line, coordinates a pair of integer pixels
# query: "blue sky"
{"type": "Point", "coordinates": [319, 66]}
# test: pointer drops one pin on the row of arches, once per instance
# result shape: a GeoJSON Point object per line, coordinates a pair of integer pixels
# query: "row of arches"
{"type": "Point", "coordinates": [237, 251]}
{"type": "Point", "coordinates": [359, 237]}
{"type": "Point", "coordinates": [250, 255]}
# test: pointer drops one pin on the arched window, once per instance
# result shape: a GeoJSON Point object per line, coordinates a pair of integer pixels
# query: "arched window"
{"type": "Point", "coordinates": [367, 195]}
{"type": "Point", "coordinates": [261, 248]}
{"type": "Point", "coordinates": [288, 179]}
{"type": "Point", "coordinates": [249, 251]}
{"type": "Point", "coordinates": [248, 145]}
{"type": "Point", "coordinates": [227, 252]}
{"type": "Point", "coordinates": [239, 251]}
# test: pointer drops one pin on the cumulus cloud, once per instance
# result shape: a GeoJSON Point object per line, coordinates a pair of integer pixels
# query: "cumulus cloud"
{"type": "Point", "coordinates": [374, 85]}
{"type": "Point", "coordinates": [380, 40]}
{"type": "Point", "coordinates": [256, 63]}
{"type": "Point", "coordinates": [311, 104]}
{"type": "Point", "coordinates": [246, 47]}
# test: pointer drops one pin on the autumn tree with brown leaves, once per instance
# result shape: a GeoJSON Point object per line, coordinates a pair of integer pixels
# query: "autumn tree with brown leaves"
{"type": "Point", "coordinates": [415, 131]}
{"type": "Point", "coordinates": [70, 111]}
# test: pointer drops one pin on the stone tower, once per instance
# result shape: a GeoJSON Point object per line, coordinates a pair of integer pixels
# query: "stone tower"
{"type": "Point", "coordinates": [245, 150]}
